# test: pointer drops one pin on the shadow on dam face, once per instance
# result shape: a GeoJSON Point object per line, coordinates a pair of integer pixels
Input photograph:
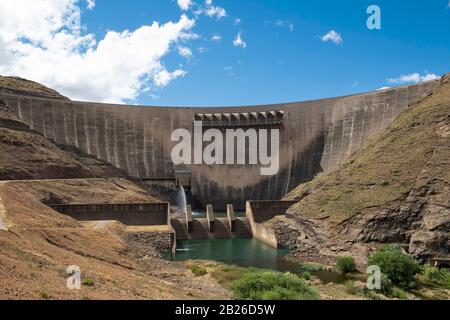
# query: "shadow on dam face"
{"type": "Point", "coordinates": [305, 166]}
{"type": "Point", "coordinates": [315, 136]}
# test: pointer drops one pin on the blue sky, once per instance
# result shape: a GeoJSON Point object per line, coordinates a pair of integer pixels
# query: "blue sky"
{"type": "Point", "coordinates": [284, 58]}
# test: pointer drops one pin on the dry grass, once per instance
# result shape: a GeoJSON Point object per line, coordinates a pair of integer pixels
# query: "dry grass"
{"type": "Point", "coordinates": [27, 87]}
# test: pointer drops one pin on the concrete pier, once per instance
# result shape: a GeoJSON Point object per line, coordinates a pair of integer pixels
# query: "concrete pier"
{"type": "Point", "coordinates": [200, 229]}
{"type": "Point", "coordinates": [231, 217]}
{"type": "Point", "coordinates": [189, 219]}
{"type": "Point", "coordinates": [210, 217]}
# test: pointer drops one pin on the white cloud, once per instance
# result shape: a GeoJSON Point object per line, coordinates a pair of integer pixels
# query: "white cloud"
{"type": "Point", "coordinates": [184, 52]}
{"type": "Point", "coordinates": [284, 24]}
{"type": "Point", "coordinates": [413, 78]}
{"type": "Point", "coordinates": [238, 42]}
{"type": "Point", "coordinates": [237, 21]}
{"type": "Point", "coordinates": [163, 77]}
{"type": "Point", "coordinates": [209, 10]}
{"type": "Point", "coordinates": [184, 4]}
{"type": "Point", "coordinates": [90, 4]}
{"type": "Point", "coordinates": [42, 41]}
{"type": "Point", "coordinates": [333, 36]}
{"type": "Point", "coordinates": [217, 12]}
{"type": "Point", "coordinates": [216, 38]}
{"type": "Point", "coordinates": [383, 88]}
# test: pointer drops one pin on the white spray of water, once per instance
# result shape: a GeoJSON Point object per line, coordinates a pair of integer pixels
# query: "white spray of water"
{"type": "Point", "coordinates": [180, 198]}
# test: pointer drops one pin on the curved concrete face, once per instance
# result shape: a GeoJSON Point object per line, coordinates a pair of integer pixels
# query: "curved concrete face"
{"type": "Point", "coordinates": [314, 136]}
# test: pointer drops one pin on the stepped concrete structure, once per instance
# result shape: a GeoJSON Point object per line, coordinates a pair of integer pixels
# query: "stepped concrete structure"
{"type": "Point", "coordinates": [314, 136]}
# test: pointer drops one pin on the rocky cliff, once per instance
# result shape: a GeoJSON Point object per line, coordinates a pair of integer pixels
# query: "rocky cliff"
{"type": "Point", "coordinates": [395, 189]}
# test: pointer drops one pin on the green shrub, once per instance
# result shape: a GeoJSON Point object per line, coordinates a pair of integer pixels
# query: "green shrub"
{"type": "Point", "coordinates": [88, 282]}
{"type": "Point", "coordinates": [386, 286]}
{"type": "Point", "coordinates": [227, 274]}
{"type": "Point", "coordinates": [198, 271]}
{"type": "Point", "coordinates": [311, 267]}
{"type": "Point", "coordinates": [44, 296]}
{"type": "Point", "coordinates": [398, 294]}
{"type": "Point", "coordinates": [351, 288]}
{"type": "Point", "coordinates": [397, 265]}
{"type": "Point", "coordinates": [272, 285]}
{"type": "Point", "coordinates": [281, 294]}
{"type": "Point", "coordinates": [346, 265]}
{"type": "Point", "coordinates": [439, 277]}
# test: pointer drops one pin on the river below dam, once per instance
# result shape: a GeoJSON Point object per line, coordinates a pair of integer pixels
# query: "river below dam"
{"type": "Point", "coordinates": [245, 252]}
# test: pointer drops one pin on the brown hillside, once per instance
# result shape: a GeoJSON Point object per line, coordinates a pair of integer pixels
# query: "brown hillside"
{"type": "Point", "coordinates": [395, 189]}
{"type": "Point", "coordinates": [18, 85]}
{"type": "Point", "coordinates": [37, 245]}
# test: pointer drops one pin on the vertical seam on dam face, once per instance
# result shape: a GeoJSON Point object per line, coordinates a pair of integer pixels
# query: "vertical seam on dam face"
{"type": "Point", "coordinates": [315, 136]}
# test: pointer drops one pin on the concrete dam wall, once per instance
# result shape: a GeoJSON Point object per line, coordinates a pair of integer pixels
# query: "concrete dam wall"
{"type": "Point", "coordinates": [314, 136]}
{"type": "Point", "coordinates": [132, 214]}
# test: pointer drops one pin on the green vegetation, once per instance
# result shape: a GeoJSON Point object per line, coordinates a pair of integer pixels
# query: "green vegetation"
{"type": "Point", "coordinates": [386, 286]}
{"type": "Point", "coordinates": [226, 274]}
{"type": "Point", "coordinates": [198, 271]}
{"type": "Point", "coordinates": [272, 286]}
{"type": "Point", "coordinates": [44, 296]}
{"type": "Point", "coordinates": [88, 282]}
{"type": "Point", "coordinates": [399, 267]}
{"type": "Point", "coordinates": [346, 265]}
{"type": "Point", "coordinates": [351, 288]}
{"type": "Point", "coordinates": [398, 293]}
{"type": "Point", "coordinates": [439, 277]}
{"type": "Point", "coordinates": [311, 267]}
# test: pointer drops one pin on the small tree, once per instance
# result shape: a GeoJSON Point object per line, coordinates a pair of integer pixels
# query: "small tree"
{"type": "Point", "coordinates": [396, 264]}
{"type": "Point", "coordinates": [273, 286]}
{"type": "Point", "coordinates": [346, 265]}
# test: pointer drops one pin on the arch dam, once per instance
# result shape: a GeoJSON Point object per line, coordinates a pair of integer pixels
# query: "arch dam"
{"type": "Point", "coordinates": [315, 136]}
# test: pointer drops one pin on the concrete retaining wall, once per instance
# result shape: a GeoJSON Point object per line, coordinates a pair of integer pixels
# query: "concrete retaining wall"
{"type": "Point", "coordinates": [260, 211]}
{"type": "Point", "coordinates": [136, 214]}
{"type": "Point", "coordinates": [314, 136]}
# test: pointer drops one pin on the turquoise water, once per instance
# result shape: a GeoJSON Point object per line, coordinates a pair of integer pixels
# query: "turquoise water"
{"type": "Point", "coordinates": [245, 252]}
